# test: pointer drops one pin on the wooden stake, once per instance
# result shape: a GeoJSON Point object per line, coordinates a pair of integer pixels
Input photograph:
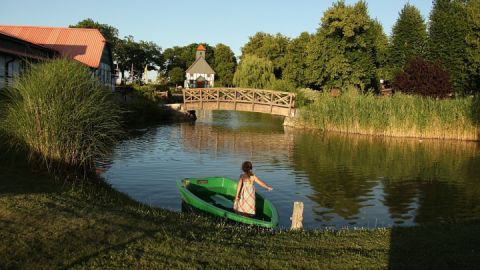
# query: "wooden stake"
{"type": "Point", "coordinates": [297, 216]}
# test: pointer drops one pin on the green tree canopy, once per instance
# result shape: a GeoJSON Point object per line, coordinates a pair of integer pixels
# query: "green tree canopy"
{"type": "Point", "coordinates": [409, 37]}
{"type": "Point", "coordinates": [224, 65]}
{"type": "Point", "coordinates": [447, 44]}
{"type": "Point", "coordinates": [271, 47]}
{"type": "Point", "coordinates": [473, 44]}
{"type": "Point", "coordinates": [137, 55]}
{"type": "Point", "coordinates": [342, 53]}
{"type": "Point", "coordinates": [176, 76]}
{"type": "Point", "coordinates": [254, 72]}
{"type": "Point", "coordinates": [380, 54]}
{"type": "Point", "coordinates": [295, 60]}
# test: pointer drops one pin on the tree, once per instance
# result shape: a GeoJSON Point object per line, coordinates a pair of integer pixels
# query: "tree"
{"type": "Point", "coordinates": [109, 32]}
{"type": "Point", "coordinates": [409, 37]}
{"type": "Point", "coordinates": [380, 53]}
{"type": "Point", "coordinates": [137, 55]}
{"type": "Point", "coordinates": [173, 59]}
{"type": "Point", "coordinates": [342, 53]}
{"type": "Point", "coordinates": [224, 65]}
{"type": "Point", "coordinates": [473, 43]}
{"type": "Point", "coordinates": [295, 60]}
{"type": "Point", "coordinates": [271, 47]}
{"type": "Point", "coordinates": [447, 44]}
{"type": "Point", "coordinates": [176, 76]}
{"type": "Point", "coordinates": [423, 78]}
{"type": "Point", "coordinates": [254, 72]}
{"type": "Point", "coordinates": [151, 54]}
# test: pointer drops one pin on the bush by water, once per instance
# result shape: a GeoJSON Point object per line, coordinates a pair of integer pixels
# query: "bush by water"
{"type": "Point", "coordinates": [60, 115]}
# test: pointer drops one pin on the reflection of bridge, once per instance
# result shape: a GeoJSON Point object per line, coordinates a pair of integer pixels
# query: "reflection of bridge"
{"type": "Point", "coordinates": [240, 99]}
{"type": "Point", "coordinates": [199, 137]}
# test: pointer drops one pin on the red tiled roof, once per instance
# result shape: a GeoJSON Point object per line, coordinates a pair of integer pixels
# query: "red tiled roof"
{"type": "Point", "coordinates": [25, 51]}
{"type": "Point", "coordinates": [81, 44]}
{"type": "Point", "coordinates": [201, 48]}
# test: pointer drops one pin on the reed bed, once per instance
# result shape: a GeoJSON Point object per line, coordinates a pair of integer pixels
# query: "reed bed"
{"type": "Point", "coordinates": [60, 115]}
{"type": "Point", "coordinates": [400, 115]}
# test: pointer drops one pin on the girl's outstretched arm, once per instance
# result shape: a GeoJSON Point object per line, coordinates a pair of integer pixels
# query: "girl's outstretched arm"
{"type": "Point", "coordinates": [262, 184]}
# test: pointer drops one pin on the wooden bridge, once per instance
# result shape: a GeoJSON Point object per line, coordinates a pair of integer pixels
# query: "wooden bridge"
{"type": "Point", "coordinates": [240, 99]}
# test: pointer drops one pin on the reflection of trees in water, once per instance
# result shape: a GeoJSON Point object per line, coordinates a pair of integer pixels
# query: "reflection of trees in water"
{"type": "Point", "coordinates": [335, 183]}
{"type": "Point", "coordinates": [218, 140]}
{"type": "Point", "coordinates": [436, 175]}
{"type": "Point", "coordinates": [344, 198]}
{"type": "Point", "coordinates": [399, 197]}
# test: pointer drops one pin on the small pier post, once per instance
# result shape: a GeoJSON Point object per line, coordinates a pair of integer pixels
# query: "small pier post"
{"type": "Point", "coordinates": [297, 216]}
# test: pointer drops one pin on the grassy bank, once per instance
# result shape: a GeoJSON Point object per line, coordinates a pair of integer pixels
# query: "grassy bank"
{"type": "Point", "coordinates": [46, 224]}
{"type": "Point", "coordinates": [400, 116]}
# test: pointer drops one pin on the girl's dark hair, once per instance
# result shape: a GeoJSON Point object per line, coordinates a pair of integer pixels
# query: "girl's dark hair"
{"type": "Point", "coordinates": [247, 168]}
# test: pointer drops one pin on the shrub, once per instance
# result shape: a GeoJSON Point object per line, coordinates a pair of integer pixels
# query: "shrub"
{"type": "Point", "coordinates": [141, 110]}
{"type": "Point", "coordinates": [424, 78]}
{"type": "Point", "coordinates": [61, 116]}
{"type": "Point", "coordinates": [282, 85]}
{"type": "Point", "coordinates": [146, 90]}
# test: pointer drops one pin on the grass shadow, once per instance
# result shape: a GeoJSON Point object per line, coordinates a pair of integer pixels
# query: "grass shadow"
{"type": "Point", "coordinates": [18, 178]}
{"type": "Point", "coordinates": [443, 246]}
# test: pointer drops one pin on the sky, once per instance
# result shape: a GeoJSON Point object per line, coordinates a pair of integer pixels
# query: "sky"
{"type": "Point", "coordinates": [181, 22]}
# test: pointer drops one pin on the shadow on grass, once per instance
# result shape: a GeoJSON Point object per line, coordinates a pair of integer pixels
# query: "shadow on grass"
{"type": "Point", "coordinates": [446, 246]}
{"type": "Point", "coordinates": [18, 178]}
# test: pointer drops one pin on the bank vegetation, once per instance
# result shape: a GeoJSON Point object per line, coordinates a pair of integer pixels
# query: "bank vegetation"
{"type": "Point", "coordinates": [400, 115]}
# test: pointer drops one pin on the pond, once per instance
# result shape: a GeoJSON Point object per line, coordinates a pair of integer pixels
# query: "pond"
{"type": "Point", "coordinates": [343, 180]}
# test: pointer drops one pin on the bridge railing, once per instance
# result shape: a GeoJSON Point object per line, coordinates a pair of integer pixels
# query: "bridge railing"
{"type": "Point", "coordinates": [240, 95]}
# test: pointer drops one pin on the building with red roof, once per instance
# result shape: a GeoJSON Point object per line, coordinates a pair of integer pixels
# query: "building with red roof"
{"type": "Point", "coordinates": [200, 74]}
{"type": "Point", "coordinates": [86, 46]}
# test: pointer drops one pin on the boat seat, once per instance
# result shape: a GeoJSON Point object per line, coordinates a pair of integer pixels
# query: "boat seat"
{"type": "Point", "coordinates": [222, 201]}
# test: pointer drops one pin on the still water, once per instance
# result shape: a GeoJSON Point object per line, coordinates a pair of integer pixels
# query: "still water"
{"type": "Point", "coordinates": [343, 180]}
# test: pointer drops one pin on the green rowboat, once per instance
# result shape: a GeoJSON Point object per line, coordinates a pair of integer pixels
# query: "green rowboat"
{"type": "Point", "coordinates": [215, 195]}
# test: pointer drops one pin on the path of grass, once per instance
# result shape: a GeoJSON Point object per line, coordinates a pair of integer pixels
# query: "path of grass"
{"type": "Point", "coordinates": [46, 225]}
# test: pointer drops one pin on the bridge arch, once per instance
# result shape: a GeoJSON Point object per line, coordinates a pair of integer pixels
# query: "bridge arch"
{"type": "Point", "coordinates": [240, 99]}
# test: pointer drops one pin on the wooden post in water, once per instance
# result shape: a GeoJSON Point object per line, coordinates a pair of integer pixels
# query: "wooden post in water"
{"type": "Point", "coordinates": [297, 216]}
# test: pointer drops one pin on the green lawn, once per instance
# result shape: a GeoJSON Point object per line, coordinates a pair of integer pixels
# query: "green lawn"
{"type": "Point", "coordinates": [47, 224]}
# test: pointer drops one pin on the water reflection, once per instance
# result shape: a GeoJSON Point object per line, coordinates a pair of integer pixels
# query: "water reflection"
{"type": "Point", "coordinates": [343, 180]}
{"type": "Point", "coordinates": [422, 181]}
{"type": "Point", "coordinates": [252, 144]}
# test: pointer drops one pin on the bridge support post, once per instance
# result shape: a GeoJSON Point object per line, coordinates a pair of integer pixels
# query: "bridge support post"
{"type": "Point", "coordinates": [271, 102]}
{"type": "Point", "coordinates": [235, 99]}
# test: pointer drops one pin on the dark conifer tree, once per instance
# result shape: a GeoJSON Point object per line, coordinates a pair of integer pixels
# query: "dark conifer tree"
{"type": "Point", "coordinates": [447, 32]}
{"type": "Point", "coordinates": [409, 37]}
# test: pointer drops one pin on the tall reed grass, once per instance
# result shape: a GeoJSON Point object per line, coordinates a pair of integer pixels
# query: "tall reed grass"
{"type": "Point", "coordinates": [400, 115]}
{"type": "Point", "coordinates": [60, 115]}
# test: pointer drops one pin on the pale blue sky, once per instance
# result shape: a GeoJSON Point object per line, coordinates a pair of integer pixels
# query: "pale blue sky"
{"type": "Point", "coordinates": [181, 22]}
